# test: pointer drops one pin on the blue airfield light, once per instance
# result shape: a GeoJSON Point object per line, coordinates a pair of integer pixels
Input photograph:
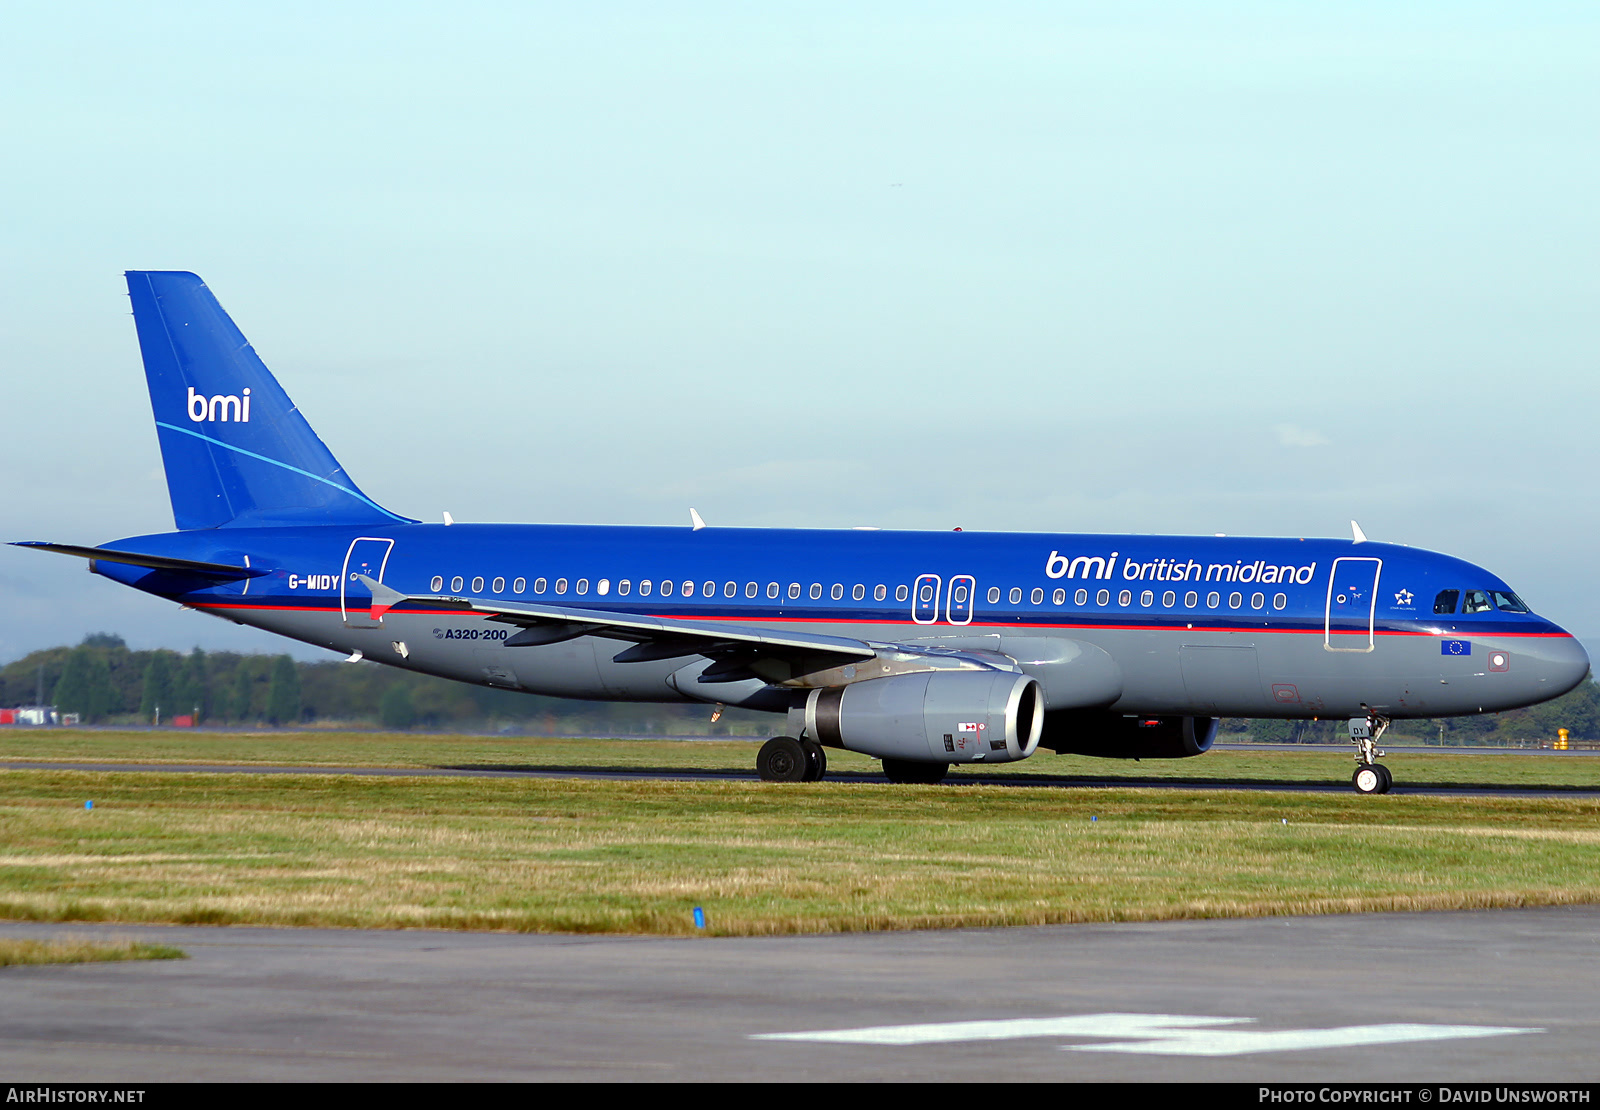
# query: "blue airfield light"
{"type": "Point", "coordinates": [699, 918]}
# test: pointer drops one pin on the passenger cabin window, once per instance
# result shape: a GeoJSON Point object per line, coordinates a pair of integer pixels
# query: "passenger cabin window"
{"type": "Point", "coordinates": [624, 588]}
{"type": "Point", "coordinates": [1016, 595]}
{"type": "Point", "coordinates": [709, 589]}
{"type": "Point", "coordinates": [1279, 600]}
{"type": "Point", "coordinates": [837, 592]}
{"type": "Point", "coordinates": [498, 586]}
{"type": "Point", "coordinates": [1125, 598]}
{"type": "Point", "coordinates": [561, 585]}
{"type": "Point", "coordinates": [730, 589]}
{"type": "Point", "coordinates": [540, 585]}
{"type": "Point", "coordinates": [880, 591]}
{"type": "Point", "coordinates": [772, 589]}
{"type": "Point", "coordinates": [994, 594]}
{"type": "Point", "coordinates": [1081, 597]}
{"type": "Point", "coordinates": [1169, 599]}
{"type": "Point", "coordinates": [457, 583]}
{"type": "Point", "coordinates": [1037, 597]}
{"type": "Point", "coordinates": [603, 587]}
{"type": "Point", "coordinates": [1477, 602]}
{"type": "Point", "coordinates": [794, 590]}
{"type": "Point", "coordinates": [582, 586]}
{"type": "Point", "coordinates": [751, 589]}
{"type": "Point", "coordinates": [1103, 597]}
{"type": "Point", "coordinates": [1445, 603]}
{"type": "Point", "coordinates": [1148, 598]}
{"type": "Point", "coordinates": [816, 590]}
{"type": "Point", "coordinates": [1235, 600]}
{"type": "Point", "coordinates": [901, 593]}
{"type": "Point", "coordinates": [437, 584]}
{"type": "Point", "coordinates": [644, 587]}
{"type": "Point", "coordinates": [1059, 597]}
{"type": "Point", "coordinates": [519, 586]}
{"type": "Point", "coordinates": [666, 588]}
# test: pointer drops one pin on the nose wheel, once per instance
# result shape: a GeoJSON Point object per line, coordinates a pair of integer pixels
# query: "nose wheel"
{"type": "Point", "coordinates": [1371, 777]}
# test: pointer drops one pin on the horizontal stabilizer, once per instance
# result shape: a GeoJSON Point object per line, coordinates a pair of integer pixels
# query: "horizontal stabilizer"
{"type": "Point", "coordinates": [221, 571]}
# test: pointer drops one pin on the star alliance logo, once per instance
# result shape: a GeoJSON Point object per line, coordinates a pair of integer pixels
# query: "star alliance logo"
{"type": "Point", "coordinates": [1404, 597]}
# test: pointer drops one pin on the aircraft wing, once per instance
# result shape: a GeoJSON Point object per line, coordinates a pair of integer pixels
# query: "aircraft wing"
{"type": "Point", "coordinates": [739, 651]}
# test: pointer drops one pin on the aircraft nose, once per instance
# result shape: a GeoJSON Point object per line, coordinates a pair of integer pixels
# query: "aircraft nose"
{"type": "Point", "coordinates": [1562, 664]}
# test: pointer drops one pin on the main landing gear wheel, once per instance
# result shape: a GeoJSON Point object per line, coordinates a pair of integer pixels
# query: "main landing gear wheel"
{"type": "Point", "coordinates": [816, 760]}
{"type": "Point", "coordinates": [1372, 778]}
{"type": "Point", "coordinates": [783, 759]}
{"type": "Point", "coordinates": [911, 771]}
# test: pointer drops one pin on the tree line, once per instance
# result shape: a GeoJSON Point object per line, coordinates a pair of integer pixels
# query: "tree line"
{"type": "Point", "coordinates": [104, 682]}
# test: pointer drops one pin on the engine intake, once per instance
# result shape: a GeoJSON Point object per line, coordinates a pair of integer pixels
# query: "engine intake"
{"type": "Point", "coordinates": [938, 717]}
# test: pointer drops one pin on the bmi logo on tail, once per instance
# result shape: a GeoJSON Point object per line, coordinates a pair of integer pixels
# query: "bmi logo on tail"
{"type": "Point", "coordinates": [202, 409]}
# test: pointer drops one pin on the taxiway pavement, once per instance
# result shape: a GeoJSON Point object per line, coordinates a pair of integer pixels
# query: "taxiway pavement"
{"type": "Point", "coordinates": [1310, 999]}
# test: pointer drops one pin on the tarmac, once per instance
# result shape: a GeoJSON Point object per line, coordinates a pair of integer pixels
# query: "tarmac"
{"type": "Point", "coordinates": [1473, 997]}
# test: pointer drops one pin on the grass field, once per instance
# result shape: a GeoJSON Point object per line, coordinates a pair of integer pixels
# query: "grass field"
{"type": "Point", "coordinates": [19, 952]}
{"type": "Point", "coordinates": [637, 857]}
{"type": "Point", "coordinates": [1552, 770]}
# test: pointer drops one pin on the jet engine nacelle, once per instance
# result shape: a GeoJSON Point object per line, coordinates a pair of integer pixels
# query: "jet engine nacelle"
{"type": "Point", "coordinates": [1114, 737]}
{"type": "Point", "coordinates": [936, 717]}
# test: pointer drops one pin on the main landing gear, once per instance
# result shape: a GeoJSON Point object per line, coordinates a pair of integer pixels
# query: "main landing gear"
{"type": "Point", "coordinates": [911, 771]}
{"type": "Point", "coordinates": [785, 759]}
{"type": "Point", "coordinates": [1371, 777]}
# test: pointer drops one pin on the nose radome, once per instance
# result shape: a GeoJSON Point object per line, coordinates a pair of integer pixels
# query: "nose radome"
{"type": "Point", "coordinates": [1563, 664]}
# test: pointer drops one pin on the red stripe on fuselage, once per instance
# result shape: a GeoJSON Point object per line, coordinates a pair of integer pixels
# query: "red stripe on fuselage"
{"type": "Point", "coordinates": [1454, 634]}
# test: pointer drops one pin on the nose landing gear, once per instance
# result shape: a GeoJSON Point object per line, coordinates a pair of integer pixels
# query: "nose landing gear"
{"type": "Point", "coordinates": [1371, 777]}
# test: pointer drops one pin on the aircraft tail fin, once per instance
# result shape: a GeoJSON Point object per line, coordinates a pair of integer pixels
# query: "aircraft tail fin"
{"type": "Point", "coordinates": [237, 451]}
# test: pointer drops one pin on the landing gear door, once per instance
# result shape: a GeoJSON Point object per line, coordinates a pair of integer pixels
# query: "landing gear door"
{"type": "Point", "coordinates": [1352, 604]}
{"type": "Point", "coordinates": [368, 556]}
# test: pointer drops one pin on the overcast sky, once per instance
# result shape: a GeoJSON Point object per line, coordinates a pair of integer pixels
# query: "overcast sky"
{"type": "Point", "coordinates": [1059, 267]}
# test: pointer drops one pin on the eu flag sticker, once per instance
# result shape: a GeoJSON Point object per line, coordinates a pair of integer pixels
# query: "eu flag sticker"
{"type": "Point", "coordinates": [1455, 647]}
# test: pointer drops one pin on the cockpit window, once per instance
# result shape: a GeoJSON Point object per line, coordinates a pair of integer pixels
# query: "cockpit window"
{"type": "Point", "coordinates": [1445, 603]}
{"type": "Point", "coordinates": [1477, 602]}
{"type": "Point", "coordinates": [1507, 602]}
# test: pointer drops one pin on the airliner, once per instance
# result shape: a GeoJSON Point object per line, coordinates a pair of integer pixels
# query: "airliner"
{"type": "Point", "coordinates": [920, 649]}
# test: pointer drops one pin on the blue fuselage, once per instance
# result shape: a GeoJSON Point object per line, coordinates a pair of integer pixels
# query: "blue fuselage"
{"type": "Point", "coordinates": [1206, 626]}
